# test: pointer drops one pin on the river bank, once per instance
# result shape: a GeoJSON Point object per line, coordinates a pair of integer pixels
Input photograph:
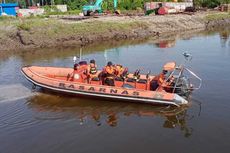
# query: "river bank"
{"type": "Point", "coordinates": [34, 32]}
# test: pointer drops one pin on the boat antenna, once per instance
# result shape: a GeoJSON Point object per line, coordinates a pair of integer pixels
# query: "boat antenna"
{"type": "Point", "coordinates": [80, 53]}
{"type": "Point", "coordinates": [74, 59]}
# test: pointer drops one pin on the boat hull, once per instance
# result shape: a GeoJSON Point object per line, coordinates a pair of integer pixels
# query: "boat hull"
{"type": "Point", "coordinates": [101, 91]}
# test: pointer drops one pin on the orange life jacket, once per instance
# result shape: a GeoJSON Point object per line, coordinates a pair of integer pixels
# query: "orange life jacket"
{"type": "Point", "coordinates": [92, 69]}
{"type": "Point", "coordinates": [119, 70]}
{"type": "Point", "coordinates": [109, 71]}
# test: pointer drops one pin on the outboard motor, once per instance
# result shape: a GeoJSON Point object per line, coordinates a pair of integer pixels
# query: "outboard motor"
{"type": "Point", "coordinates": [184, 87]}
{"type": "Point", "coordinates": [183, 84]}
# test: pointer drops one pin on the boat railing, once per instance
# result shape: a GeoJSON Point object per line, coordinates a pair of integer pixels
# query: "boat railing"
{"type": "Point", "coordinates": [178, 73]}
{"type": "Point", "coordinates": [197, 77]}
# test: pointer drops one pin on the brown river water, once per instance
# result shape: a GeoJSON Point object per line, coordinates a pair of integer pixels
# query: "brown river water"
{"type": "Point", "coordinates": [37, 121]}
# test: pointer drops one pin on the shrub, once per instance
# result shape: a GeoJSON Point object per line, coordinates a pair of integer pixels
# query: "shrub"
{"type": "Point", "coordinates": [24, 26]}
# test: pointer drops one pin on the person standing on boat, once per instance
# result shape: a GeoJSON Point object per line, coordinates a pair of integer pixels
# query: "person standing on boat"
{"type": "Point", "coordinates": [159, 81]}
{"type": "Point", "coordinates": [109, 74]}
{"type": "Point", "coordinates": [92, 69]}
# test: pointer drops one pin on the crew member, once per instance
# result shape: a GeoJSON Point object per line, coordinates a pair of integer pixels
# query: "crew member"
{"type": "Point", "coordinates": [119, 70]}
{"type": "Point", "coordinates": [109, 74]}
{"type": "Point", "coordinates": [75, 74]}
{"type": "Point", "coordinates": [158, 82]}
{"type": "Point", "coordinates": [162, 77]}
{"type": "Point", "coordinates": [92, 69]}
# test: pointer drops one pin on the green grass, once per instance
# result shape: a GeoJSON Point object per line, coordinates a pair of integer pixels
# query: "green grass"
{"type": "Point", "coordinates": [74, 12]}
{"type": "Point", "coordinates": [24, 26]}
{"type": "Point", "coordinates": [217, 16]}
{"type": "Point", "coordinates": [53, 26]}
{"type": "Point", "coordinates": [7, 18]}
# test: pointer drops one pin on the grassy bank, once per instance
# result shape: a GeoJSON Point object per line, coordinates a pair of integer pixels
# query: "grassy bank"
{"type": "Point", "coordinates": [54, 26]}
{"type": "Point", "coordinates": [41, 31]}
{"type": "Point", "coordinates": [67, 27]}
{"type": "Point", "coordinates": [217, 16]}
{"type": "Point", "coordinates": [36, 32]}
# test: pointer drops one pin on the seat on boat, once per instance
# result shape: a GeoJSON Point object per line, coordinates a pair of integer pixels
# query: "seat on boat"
{"type": "Point", "coordinates": [154, 85]}
{"type": "Point", "coordinates": [142, 81]}
{"type": "Point", "coordinates": [119, 79]}
{"type": "Point", "coordinates": [118, 82]}
{"type": "Point", "coordinates": [95, 80]}
{"type": "Point", "coordinates": [141, 84]}
{"type": "Point", "coordinates": [130, 81]}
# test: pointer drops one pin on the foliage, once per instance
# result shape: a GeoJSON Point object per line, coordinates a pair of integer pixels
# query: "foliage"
{"type": "Point", "coordinates": [50, 8]}
{"type": "Point", "coordinates": [24, 26]}
{"type": "Point", "coordinates": [210, 3]}
{"type": "Point", "coordinates": [217, 16]}
{"type": "Point", "coordinates": [3, 18]}
{"type": "Point", "coordinates": [72, 4]}
{"type": "Point", "coordinates": [72, 12]}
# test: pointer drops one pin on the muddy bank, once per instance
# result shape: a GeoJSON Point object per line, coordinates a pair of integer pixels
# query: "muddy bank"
{"type": "Point", "coordinates": [47, 32]}
{"type": "Point", "coordinates": [217, 23]}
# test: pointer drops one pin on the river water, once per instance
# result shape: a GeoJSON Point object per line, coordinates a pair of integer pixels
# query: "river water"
{"type": "Point", "coordinates": [39, 121]}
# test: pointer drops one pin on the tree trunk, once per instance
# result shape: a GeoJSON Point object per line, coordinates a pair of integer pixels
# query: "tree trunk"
{"type": "Point", "coordinates": [27, 3]}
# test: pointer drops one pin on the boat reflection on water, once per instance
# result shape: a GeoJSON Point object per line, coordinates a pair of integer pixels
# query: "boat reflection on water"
{"type": "Point", "coordinates": [166, 43]}
{"type": "Point", "coordinates": [85, 111]}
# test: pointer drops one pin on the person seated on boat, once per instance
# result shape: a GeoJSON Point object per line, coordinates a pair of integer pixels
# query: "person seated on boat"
{"type": "Point", "coordinates": [92, 69]}
{"type": "Point", "coordinates": [120, 72]}
{"type": "Point", "coordinates": [109, 74]}
{"type": "Point", "coordinates": [77, 74]}
{"type": "Point", "coordinates": [158, 81]}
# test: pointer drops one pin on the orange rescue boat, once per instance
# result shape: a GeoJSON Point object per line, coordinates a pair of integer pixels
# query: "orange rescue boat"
{"type": "Point", "coordinates": [61, 79]}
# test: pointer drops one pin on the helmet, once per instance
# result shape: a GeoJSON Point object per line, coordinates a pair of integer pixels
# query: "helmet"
{"type": "Point", "coordinates": [92, 61]}
{"type": "Point", "coordinates": [109, 63]}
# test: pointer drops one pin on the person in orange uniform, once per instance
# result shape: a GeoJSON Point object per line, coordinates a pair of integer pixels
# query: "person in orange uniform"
{"type": "Point", "coordinates": [109, 74]}
{"type": "Point", "coordinates": [77, 74]}
{"type": "Point", "coordinates": [92, 69]}
{"type": "Point", "coordinates": [159, 81]}
{"type": "Point", "coordinates": [119, 70]}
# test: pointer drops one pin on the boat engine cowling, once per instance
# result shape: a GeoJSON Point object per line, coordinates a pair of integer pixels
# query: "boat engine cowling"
{"type": "Point", "coordinates": [183, 87]}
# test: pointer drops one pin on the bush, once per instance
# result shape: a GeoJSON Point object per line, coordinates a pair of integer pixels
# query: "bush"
{"type": "Point", "coordinates": [212, 17]}
{"type": "Point", "coordinates": [210, 3]}
{"type": "Point", "coordinates": [24, 26]}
